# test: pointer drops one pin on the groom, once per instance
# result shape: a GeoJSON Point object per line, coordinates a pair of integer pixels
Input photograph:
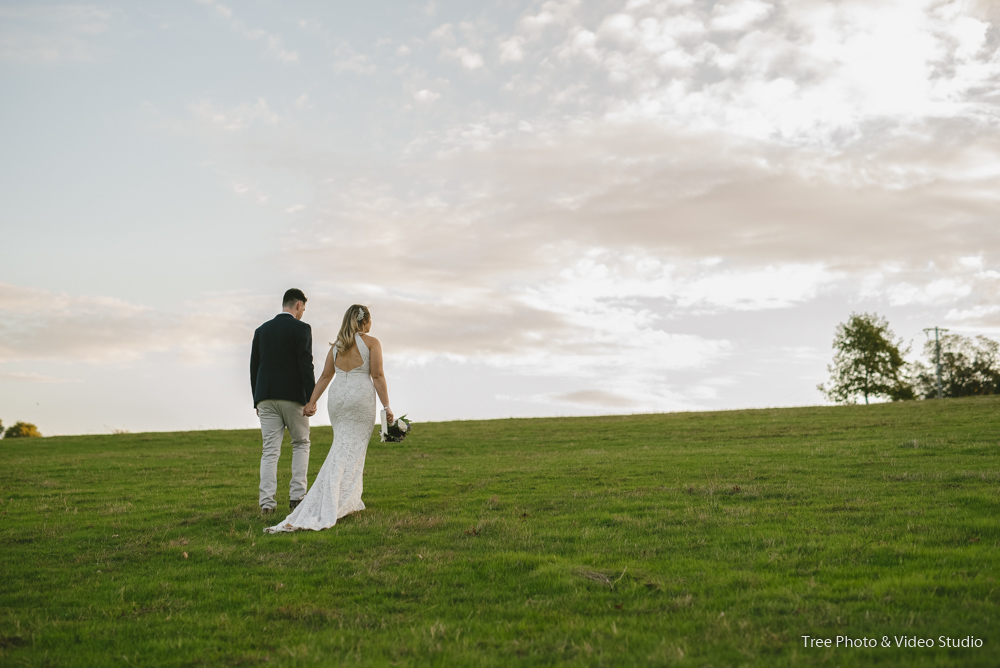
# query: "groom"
{"type": "Point", "coordinates": [282, 381]}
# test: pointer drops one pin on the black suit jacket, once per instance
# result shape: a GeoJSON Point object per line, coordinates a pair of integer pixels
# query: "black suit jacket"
{"type": "Point", "coordinates": [281, 361]}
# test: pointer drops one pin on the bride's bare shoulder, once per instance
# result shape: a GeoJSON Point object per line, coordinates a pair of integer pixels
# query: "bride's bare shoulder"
{"type": "Point", "coordinates": [370, 340]}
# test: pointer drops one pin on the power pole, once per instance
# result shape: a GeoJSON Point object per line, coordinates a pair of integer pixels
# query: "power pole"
{"type": "Point", "coordinates": [937, 355]}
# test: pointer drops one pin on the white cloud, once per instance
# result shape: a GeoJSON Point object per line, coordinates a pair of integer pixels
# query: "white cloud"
{"type": "Point", "coordinates": [358, 63]}
{"type": "Point", "coordinates": [734, 15]}
{"type": "Point", "coordinates": [968, 32]}
{"type": "Point", "coordinates": [53, 34]}
{"type": "Point", "coordinates": [349, 60]}
{"type": "Point", "coordinates": [465, 55]}
{"type": "Point", "coordinates": [636, 170]}
{"type": "Point", "coordinates": [311, 25]}
{"type": "Point", "coordinates": [620, 28]}
{"type": "Point", "coordinates": [940, 291]}
{"type": "Point", "coordinates": [425, 95]}
{"type": "Point", "coordinates": [977, 316]}
{"type": "Point", "coordinates": [551, 13]}
{"type": "Point", "coordinates": [39, 325]}
{"type": "Point", "coordinates": [468, 59]}
{"type": "Point", "coordinates": [255, 194]}
{"type": "Point", "coordinates": [817, 74]}
{"type": "Point", "coordinates": [31, 377]}
{"type": "Point", "coordinates": [598, 398]}
{"type": "Point", "coordinates": [274, 43]}
{"type": "Point", "coordinates": [220, 9]}
{"type": "Point", "coordinates": [755, 289]}
{"type": "Point", "coordinates": [443, 33]}
{"type": "Point", "coordinates": [234, 119]}
{"type": "Point", "coordinates": [583, 43]}
{"type": "Point", "coordinates": [512, 50]}
{"type": "Point", "coordinates": [603, 210]}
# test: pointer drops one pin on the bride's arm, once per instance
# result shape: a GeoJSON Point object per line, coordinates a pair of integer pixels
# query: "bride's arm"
{"type": "Point", "coordinates": [324, 380]}
{"type": "Point", "coordinates": [378, 375]}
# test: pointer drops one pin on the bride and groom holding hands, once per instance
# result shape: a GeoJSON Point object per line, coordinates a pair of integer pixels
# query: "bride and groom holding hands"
{"type": "Point", "coordinates": [285, 394]}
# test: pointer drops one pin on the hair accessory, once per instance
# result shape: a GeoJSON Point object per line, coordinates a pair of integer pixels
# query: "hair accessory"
{"type": "Point", "coordinates": [361, 314]}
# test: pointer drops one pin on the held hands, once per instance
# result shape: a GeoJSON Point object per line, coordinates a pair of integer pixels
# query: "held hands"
{"type": "Point", "coordinates": [309, 409]}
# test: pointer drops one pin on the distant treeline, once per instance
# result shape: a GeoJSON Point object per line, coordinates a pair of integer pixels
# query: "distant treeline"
{"type": "Point", "coordinates": [868, 362]}
{"type": "Point", "coordinates": [19, 430]}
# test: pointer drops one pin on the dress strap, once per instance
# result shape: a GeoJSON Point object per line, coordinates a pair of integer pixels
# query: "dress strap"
{"type": "Point", "coordinates": [362, 347]}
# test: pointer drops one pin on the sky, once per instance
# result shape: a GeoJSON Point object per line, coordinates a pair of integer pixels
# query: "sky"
{"type": "Point", "coordinates": [551, 208]}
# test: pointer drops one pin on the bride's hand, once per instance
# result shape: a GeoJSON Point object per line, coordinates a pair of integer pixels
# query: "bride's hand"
{"type": "Point", "coordinates": [389, 416]}
{"type": "Point", "coordinates": [309, 409]}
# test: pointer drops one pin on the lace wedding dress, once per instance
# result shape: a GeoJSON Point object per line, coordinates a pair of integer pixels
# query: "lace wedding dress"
{"type": "Point", "coordinates": [337, 489]}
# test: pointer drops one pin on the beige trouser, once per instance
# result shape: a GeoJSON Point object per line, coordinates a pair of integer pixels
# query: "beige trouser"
{"type": "Point", "coordinates": [275, 416]}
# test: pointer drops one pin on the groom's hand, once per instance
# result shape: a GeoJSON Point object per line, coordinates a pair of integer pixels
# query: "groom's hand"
{"type": "Point", "coordinates": [309, 410]}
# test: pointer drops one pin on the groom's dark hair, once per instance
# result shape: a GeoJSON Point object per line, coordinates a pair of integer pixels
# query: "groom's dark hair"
{"type": "Point", "coordinates": [293, 295]}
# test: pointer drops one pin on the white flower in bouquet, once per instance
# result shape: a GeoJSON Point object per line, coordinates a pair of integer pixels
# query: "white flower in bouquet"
{"type": "Point", "coordinates": [395, 431]}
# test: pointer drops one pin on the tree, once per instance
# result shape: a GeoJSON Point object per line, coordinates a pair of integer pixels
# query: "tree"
{"type": "Point", "coordinates": [22, 430]}
{"type": "Point", "coordinates": [867, 362]}
{"type": "Point", "coordinates": [969, 367]}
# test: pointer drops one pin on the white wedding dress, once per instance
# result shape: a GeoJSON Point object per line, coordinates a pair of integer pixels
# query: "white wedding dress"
{"type": "Point", "coordinates": [337, 489]}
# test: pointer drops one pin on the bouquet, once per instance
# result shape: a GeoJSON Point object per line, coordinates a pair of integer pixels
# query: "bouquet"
{"type": "Point", "coordinates": [395, 432]}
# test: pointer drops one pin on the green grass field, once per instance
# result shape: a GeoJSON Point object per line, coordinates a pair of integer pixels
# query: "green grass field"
{"type": "Point", "coordinates": [692, 539]}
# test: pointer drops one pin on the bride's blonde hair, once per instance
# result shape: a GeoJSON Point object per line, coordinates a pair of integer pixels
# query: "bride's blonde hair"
{"type": "Point", "coordinates": [355, 319]}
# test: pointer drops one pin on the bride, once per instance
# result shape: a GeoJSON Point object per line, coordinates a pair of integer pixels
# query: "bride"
{"type": "Point", "coordinates": [354, 364]}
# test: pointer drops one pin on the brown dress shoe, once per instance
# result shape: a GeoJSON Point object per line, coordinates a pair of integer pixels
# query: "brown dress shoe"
{"type": "Point", "coordinates": [266, 511]}
{"type": "Point", "coordinates": [293, 504]}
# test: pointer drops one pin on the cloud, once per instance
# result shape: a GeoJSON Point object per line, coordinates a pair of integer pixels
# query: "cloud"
{"type": "Point", "coordinates": [663, 161]}
{"type": "Point", "coordinates": [424, 95]}
{"type": "Point", "coordinates": [755, 289]}
{"type": "Point", "coordinates": [970, 290]}
{"type": "Point", "coordinates": [274, 43]}
{"type": "Point", "coordinates": [570, 251]}
{"type": "Point", "coordinates": [804, 73]}
{"type": "Point", "coordinates": [468, 59]}
{"type": "Point", "coordinates": [512, 50]}
{"type": "Point", "coordinates": [581, 43]}
{"type": "Point", "coordinates": [234, 119]}
{"type": "Point", "coordinates": [985, 317]}
{"type": "Point", "coordinates": [31, 377]}
{"type": "Point", "coordinates": [552, 13]}
{"type": "Point", "coordinates": [39, 325]}
{"type": "Point", "coordinates": [641, 142]}
{"type": "Point", "coordinates": [349, 60]}
{"type": "Point", "coordinates": [694, 195]}
{"type": "Point", "coordinates": [466, 55]}
{"type": "Point", "coordinates": [599, 398]}
{"type": "Point", "coordinates": [53, 35]}
{"type": "Point", "coordinates": [259, 197]}
{"type": "Point", "coordinates": [734, 15]}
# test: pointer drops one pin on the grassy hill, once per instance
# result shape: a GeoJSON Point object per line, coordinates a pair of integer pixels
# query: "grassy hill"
{"type": "Point", "coordinates": [695, 539]}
